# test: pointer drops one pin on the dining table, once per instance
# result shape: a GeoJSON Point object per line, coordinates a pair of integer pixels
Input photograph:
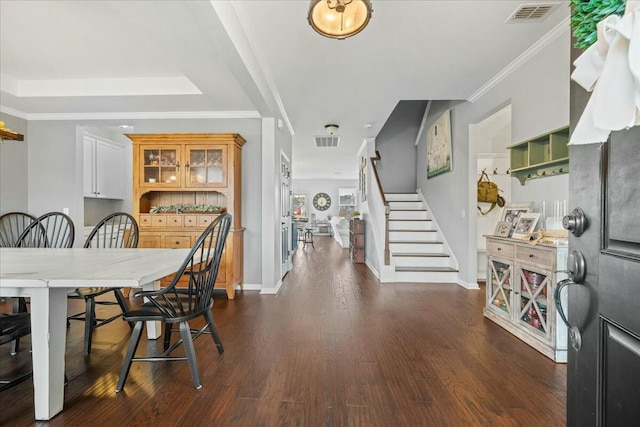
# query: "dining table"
{"type": "Point", "coordinates": [45, 276]}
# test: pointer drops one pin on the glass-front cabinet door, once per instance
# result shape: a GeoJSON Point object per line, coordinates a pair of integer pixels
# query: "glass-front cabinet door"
{"type": "Point", "coordinates": [160, 166]}
{"type": "Point", "coordinates": [206, 166]}
{"type": "Point", "coordinates": [500, 286]}
{"type": "Point", "coordinates": [533, 301]}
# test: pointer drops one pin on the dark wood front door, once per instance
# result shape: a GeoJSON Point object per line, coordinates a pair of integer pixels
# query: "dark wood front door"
{"type": "Point", "coordinates": [603, 384]}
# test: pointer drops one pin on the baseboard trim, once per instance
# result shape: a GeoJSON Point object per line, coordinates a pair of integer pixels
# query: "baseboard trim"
{"type": "Point", "coordinates": [249, 287]}
{"type": "Point", "coordinates": [466, 285]}
{"type": "Point", "coordinates": [373, 270]}
{"type": "Point", "coordinates": [271, 291]}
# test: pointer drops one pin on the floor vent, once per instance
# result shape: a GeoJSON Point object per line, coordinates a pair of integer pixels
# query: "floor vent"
{"type": "Point", "coordinates": [327, 141]}
{"type": "Point", "coordinates": [532, 12]}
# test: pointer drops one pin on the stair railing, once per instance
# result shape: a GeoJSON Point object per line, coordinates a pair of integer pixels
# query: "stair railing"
{"type": "Point", "coordinates": [387, 210]}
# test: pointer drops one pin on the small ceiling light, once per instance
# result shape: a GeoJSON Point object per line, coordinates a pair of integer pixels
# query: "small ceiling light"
{"type": "Point", "coordinates": [331, 128]}
{"type": "Point", "coordinates": [339, 19]}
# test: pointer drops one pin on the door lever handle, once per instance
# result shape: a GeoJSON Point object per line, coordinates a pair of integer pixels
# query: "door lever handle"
{"type": "Point", "coordinates": [574, 333]}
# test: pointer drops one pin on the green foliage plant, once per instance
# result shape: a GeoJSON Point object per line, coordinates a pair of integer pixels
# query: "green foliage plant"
{"type": "Point", "coordinates": [586, 15]}
{"type": "Point", "coordinates": [184, 207]}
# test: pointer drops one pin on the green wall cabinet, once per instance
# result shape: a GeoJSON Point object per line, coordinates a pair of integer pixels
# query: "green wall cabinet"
{"type": "Point", "coordinates": [545, 155]}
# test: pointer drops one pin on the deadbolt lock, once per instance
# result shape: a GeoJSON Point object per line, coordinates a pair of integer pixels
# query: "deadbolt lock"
{"type": "Point", "coordinates": [575, 222]}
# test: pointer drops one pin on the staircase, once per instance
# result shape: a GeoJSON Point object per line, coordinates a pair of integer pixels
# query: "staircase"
{"type": "Point", "coordinates": [415, 244]}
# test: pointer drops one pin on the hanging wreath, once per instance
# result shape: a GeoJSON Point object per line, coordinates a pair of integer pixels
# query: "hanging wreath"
{"type": "Point", "coordinates": [586, 15]}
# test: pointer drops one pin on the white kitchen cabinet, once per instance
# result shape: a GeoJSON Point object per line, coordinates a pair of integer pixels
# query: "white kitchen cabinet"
{"type": "Point", "coordinates": [104, 168]}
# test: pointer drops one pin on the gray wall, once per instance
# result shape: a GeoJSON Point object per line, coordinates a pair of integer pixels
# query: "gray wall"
{"type": "Point", "coordinates": [538, 92]}
{"type": "Point", "coordinates": [396, 144]}
{"type": "Point", "coordinates": [55, 170]}
{"type": "Point", "coordinates": [14, 178]}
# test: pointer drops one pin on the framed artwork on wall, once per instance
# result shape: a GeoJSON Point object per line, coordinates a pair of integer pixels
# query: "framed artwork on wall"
{"type": "Point", "coordinates": [439, 146]}
{"type": "Point", "coordinates": [299, 205]}
{"type": "Point", "coordinates": [347, 201]}
{"type": "Point", "coordinates": [362, 179]}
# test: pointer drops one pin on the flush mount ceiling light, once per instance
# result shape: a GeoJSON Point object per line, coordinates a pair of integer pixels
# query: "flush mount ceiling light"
{"type": "Point", "coordinates": [339, 19]}
{"type": "Point", "coordinates": [331, 128]}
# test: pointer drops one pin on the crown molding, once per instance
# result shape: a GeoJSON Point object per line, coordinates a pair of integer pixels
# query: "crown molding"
{"type": "Point", "coordinates": [152, 115]}
{"type": "Point", "coordinates": [13, 112]}
{"type": "Point", "coordinates": [562, 27]}
{"type": "Point", "coordinates": [99, 87]}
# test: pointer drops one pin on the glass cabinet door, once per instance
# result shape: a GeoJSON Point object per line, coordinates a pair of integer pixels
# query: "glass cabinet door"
{"type": "Point", "coordinates": [161, 166]}
{"type": "Point", "coordinates": [533, 301]}
{"type": "Point", "coordinates": [207, 166]}
{"type": "Point", "coordinates": [499, 286]}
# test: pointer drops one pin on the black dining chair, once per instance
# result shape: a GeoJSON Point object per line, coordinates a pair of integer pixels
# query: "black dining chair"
{"type": "Point", "coordinates": [117, 230]}
{"type": "Point", "coordinates": [13, 327]}
{"type": "Point", "coordinates": [51, 230]}
{"type": "Point", "coordinates": [12, 225]}
{"type": "Point", "coordinates": [177, 306]}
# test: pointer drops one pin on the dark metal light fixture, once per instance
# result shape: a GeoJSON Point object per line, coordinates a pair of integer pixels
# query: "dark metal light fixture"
{"type": "Point", "coordinates": [331, 128]}
{"type": "Point", "coordinates": [339, 19]}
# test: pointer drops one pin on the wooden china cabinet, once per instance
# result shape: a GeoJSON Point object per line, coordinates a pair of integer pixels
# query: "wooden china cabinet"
{"type": "Point", "coordinates": [178, 182]}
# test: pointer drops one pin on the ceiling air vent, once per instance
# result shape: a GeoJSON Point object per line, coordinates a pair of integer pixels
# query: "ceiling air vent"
{"type": "Point", "coordinates": [327, 141]}
{"type": "Point", "coordinates": [532, 12]}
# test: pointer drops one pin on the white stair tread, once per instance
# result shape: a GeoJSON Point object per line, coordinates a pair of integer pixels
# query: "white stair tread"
{"type": "Point", "coordinates": [427, 269]}
{"type": "Point", "coordinates": [417, 254]}
{"type": "Point", "coordinates": [414, 231]}
{"type": "Point", "coordinates": [417, 242]}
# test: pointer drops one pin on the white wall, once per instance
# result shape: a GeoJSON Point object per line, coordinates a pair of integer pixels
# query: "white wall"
{"type": "Point", "coordinates": [490, 137]}
{"type": "Point", "coordinates": [274, 141]}
{"type": "Point", "coordinates": [538, 92]}
{"type": "Point", "coordinates": [311, 187]}
{"type": "Point", "coordinates": [372, 210]}
{"type": "Point", "coordinates": [14, 179]}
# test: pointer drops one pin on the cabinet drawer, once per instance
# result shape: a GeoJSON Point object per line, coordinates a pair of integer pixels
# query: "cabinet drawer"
{"type": "Point", "coordinates": [159, 221]}
{"type": "Point", "coordinates": [204, 220]}
{"type": "Point", "coordinates": [357, 254]}
{"type": "Point", "coordinates": [356, 226]}
{"type": "Point", "coordinates": [177, 242]}
{"type": "Point", "coordinates": [536, 256]}
{"type": "Point", "coordinates": [357, 240]}
{"type": "Point", "coordinates": [149, 242]}
{"type": "Point", "coordinates": [174, 220]}
{"type": "Point", "coordinates": [500, 249]}
{"type": "Point", "coordinates": [191, 220]}
{"type": "Point", "coordinates": [145, 220]}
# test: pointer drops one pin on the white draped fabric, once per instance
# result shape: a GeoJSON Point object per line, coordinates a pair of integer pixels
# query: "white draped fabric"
{"type": "Point", "coordinates": [610, 68]}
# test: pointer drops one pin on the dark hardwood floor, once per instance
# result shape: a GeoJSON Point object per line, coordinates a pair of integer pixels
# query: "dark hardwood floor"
{"type": "Point", "coordinates": [333, 348]}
